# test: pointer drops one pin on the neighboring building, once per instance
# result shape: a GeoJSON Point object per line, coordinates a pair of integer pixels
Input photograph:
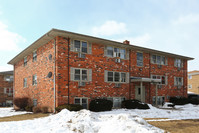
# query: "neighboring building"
{"type": "Point", "coordinates": [96, 68]}
{"type": "Point", "coordinates": [6, 88]}
{"type": "Point", "coordinates": [193, 82]}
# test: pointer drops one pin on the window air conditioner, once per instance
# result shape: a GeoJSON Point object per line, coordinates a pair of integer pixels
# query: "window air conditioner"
{"type": "Point", "coordinates": [82, 83]}
{"type": "Point", "coordinates": [117, 60]}
{"type": "Point", "coordinates": [80, 55]}
{"type": "Point", "coordinates": [117, 84]}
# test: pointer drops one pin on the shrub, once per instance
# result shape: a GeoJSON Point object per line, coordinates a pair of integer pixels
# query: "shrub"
{"type": "Point", "coordinates": [29, 108]}
{"type": "Point", "coordinates": [21, 103]}
{"type": "Point", "coordinates": [179, 100]}
{"type": "Point", "coordinates": [134, 104]}
{"type": "Point", "coordinates": [194, 101]}
{"type": "Point", "coordinates": [70, 107]}
{"type": "Point", "coordinates": [44, 109]}
{"type": "Point", "coordinates": [36, 110]}
{"type": "Point", "coordinates": [98, 105]}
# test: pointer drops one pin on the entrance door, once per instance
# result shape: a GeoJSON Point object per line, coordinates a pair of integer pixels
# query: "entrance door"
{"type": "Point", "coordinates": [140, 95]}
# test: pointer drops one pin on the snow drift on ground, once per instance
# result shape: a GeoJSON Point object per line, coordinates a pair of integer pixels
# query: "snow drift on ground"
{"type": "Point", "coordinates": [83, 121]}
{"type": "Point", "coordinates": [4, 112]}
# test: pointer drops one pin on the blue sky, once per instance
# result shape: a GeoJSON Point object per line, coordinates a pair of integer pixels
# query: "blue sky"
{"type": "Point", "coordinates": [166, 25]}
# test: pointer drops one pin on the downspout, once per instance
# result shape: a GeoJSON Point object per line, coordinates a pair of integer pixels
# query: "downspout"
{"type": "Point", "coordinates": [130, 74]}
{"type": "Point", "coordinates": [68, 72]}
{"type": "Point", "coordinates": [54, 74]}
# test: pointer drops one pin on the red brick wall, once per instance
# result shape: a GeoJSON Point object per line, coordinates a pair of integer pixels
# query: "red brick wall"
{"type": "Point", "coordinates": [5, 84]}
{"type": "Point", "coordinates": [43, 91]}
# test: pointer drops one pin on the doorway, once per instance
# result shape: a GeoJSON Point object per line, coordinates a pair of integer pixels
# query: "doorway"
{"type": "Point", "coordinates": [140, 94]}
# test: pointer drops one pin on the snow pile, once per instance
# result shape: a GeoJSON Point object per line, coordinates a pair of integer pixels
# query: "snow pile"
{"type": "Point", "coordinates": [83, 121]}
{"type": "Point", "coordinates": [4, 112]}
{"type": "Point", "coordinates": [187, 111]}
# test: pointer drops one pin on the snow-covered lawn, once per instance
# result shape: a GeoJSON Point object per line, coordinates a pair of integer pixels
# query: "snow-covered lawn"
{"type": "Point", "coordinates": [4, 112]}
{"type": "Point", "coordinates": [84, 121]}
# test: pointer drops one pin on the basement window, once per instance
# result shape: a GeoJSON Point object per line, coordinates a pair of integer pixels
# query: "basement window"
{"type": "Point", "coordinates": [82, 101]}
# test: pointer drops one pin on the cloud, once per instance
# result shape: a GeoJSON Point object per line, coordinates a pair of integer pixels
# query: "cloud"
{"type": "Point", "coordinates": [110, 28]}
{"type": "Point", "coordinates": [6, 68]}
{"type": "Point", "coordinates": [8, 39]}
{"type": "Point", "coordinates": [187, 19]}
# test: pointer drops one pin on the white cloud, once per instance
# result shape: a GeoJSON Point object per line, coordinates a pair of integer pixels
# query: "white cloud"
{"type": "Point", "coordinates": [8, 39]}
{"type": "Point", "coordinates": [6, 68]}
{"type": "Point", "coordinates": [187, 19]}
{"type": "Point", "coordinates": [110, 28]}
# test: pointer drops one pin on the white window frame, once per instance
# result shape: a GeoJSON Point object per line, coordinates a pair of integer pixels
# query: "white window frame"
{"type": "Point", "coordinates": [8, 78]}
{"type": "Point", "coordinates": [189, 86]}
{"type": "Point", "coordinates": [140, 61]}
{"type": "Point", "coordinates": [121, 53]}
{"type": "Point", "coordinates": [81, 103]}
{"type": "Point", "coordinates": [113, 100]}
{"type": "Point", "coordinates": [81, 69]}
{"type": "Point", "coordinates": [156, 59]}
{"type": "Point", "coordinates": [177, 81]}
{"type": "Point", "coordinates": [160, 100]}
{"type": "Point", "coordinates": [121, 79]}
{"type": "Point", "coordinates": [156, 77]}
{"type": "Point", "coordinates": [10, 91]}
{"type": "Point", "coordinates": [178, 63]}
{"type": "Point", "coordinates": [190, 76]}
{"type": "Point", "coordinates": [80, 49]}
{"type": "Point", "coordinates": [34, 56]}
{"type": "Point", "coordinates": [34, 79]}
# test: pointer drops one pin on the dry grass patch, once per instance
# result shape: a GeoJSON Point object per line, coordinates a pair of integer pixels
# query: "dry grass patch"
{"type": "Point", "coordinates": [22, 117]}
{"type": "Point", "coordinates": [177, 126]}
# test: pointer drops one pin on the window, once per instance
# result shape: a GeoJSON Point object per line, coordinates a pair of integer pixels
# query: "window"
{"type": "Point", "coordinates": [25, 61]}
{"type": "Point", "coordinates": [82, 101]}
{"type": "Point", "coordinates": [157, 59]}
{"type": "Point", "coordinates": [190, 76]}
{"type": "Point", "coordinates": [110, 51]}
{"type": "Point", "coordinates": [81, 46]}
{"type": "Point", "coordinates": [178, 81]}
{"type": "Point", "coordinates": [178, 63]}
{"type": "Point", "coordinates": [139, 59]}
{"type": "Point", "coordinates": [25, 82]}
{"type": "Point", "coordinates": [8, 78]}
{"type": "Point", "coordinates": [189, 86]}
{"type": "Point", "coordinates": [34, 58]}
{"type": "Point", "coordinates": [160, 100]}
{"type": "Point", "coordinates": [116, 52]}
{"type": "Point", "coordinates": [110, 76]}
{"type": "Point", "coordinates": [163, 79]}
{"type": "Point", "coordinates": [116, 77]}
{"type": "Point", "coordinates": [81, 74]}
{"type": "Point", "coordinates": [34, 79]}
{"type": "Point", "coordinates": [8, 91]}
{"type": "Point", "coordinates": [34, 102]}
{"type": "Point", "coordinates": [117, 101]}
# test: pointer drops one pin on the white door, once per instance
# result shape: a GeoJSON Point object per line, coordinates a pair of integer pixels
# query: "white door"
{"type": "Point", "coordinates": [140, 94]}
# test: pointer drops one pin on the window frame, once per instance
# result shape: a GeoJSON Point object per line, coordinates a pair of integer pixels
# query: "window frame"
{"type": "Point", "coordinates": [154, 59]}
{"type": "Point", "coordinates": [121, 79]}
{"type": "Point", "coordinates": [81, 46]}
{"type": "Point", "coordinates": [25, 62]}
{"type": "Point", "coordinates": [25, 82]}
{"type": "Point", "coordinates": [81, 75]}
{"type": "Point", "coordinates": [160, 77]}
{"type": "Point", "coordinates": [81, 101]}
{"type": "Point", "coordinates": [8, 78]}
{"type": "Point", "coordinates": [177, 81]}
{"type": "Point", "coordinates": [138, 59]}
{"type": "Point", "coordinates": [116, 52]}
{"type": "Point", "coordinates": [34, 79]}
{"type": "Point", "coordinates": [177, 63]}
{"type": "Point", "coordinates": [34, 56]}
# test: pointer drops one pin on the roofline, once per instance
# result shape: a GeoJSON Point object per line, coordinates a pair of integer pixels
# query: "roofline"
{"type": "Point", "coordinates": [6, 73]}
{"type": "Point", "coordinates": [56, 32]}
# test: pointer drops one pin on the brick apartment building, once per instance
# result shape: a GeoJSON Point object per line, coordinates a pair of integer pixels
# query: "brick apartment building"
{"type": "Point", "coordinates": [193, 82]}
{"type": "Point", "coordinates": [64, 67]}
{"type": "Point", "coordinates": [6, 88]}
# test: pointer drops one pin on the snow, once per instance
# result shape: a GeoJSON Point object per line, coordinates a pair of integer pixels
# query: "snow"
{"type": "Point", "coordinates": [85, 121]}
{"type": "Point", "coordinates": [4, 112]}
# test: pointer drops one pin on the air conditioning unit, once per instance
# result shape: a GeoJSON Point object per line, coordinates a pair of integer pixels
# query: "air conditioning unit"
{"type": "Point", "coordinates": [82, 83]}
{"type": "Point", "coordinates": [77, 49]}
{"type": "Point", "coordinates": [10, 94]}
{"type": "Point", "coordinates": [80, 55]}
{"type": "Point", "coordinates": [159, 66]}
{"type": "Point", "coordinates": [117, 85]}
{"type": "Point", "coordinates": [179, 86]}
{"type": "Point", "coordinates": [117, 60]}
{"type": "Point", "coordinates": [179, 68]}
